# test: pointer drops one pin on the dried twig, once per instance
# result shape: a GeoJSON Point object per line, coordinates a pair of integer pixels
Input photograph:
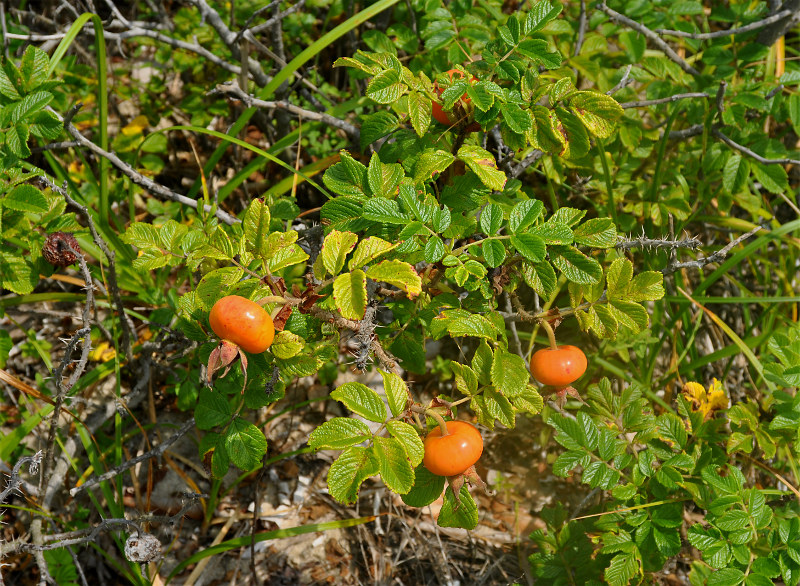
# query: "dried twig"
{"type": "Point", "coordinates": [127, 327]}
{"type": "Point", "coordinates": [752, 154]}
{"type": "Point", "coordinates": [650, 243]}
{"type": "Point", "coordinates": [729, 32]}
{"type": "Point", "coordinates": [654, 38]}
{"type": "Point", "coordinates": [526, 162]}
{"type": "Point", "coordinates": [135, 176]}
{"type": "Point", "coordinates": [686, 132]}
{"type": "Point", "coordinates": [14, 481]}
{"type": "Point", "coordinates": [582, 20]}
{"type": "Point", "coordinates": [229, 37]}
{"type": "Point", "coordinates": [624, 82]}
{"type": "Point", "coordinates": [675, 98]}
{"type": "Point", "coordinates": [236, 92]}
{"type": "Point", "coordinates": [715, 257]}
{"type": "Point", "coordinates": [155, 452]}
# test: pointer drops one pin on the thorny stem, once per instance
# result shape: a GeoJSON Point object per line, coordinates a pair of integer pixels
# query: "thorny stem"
{"type": "Point", "coordinates": [551, 335]}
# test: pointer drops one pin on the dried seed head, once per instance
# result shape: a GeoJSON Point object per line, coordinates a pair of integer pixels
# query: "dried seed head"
{"type": "Point", "coordinates": [56, 249]}
{"type": "Point", "coordinates": [142, 548]}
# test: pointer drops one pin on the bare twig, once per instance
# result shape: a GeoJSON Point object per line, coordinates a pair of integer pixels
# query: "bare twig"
{"type": "Point", "coordinates": [686, 132]}
{"type": "Point", "coordinates": [54, 146]}
{"type": "Point", "coordinates": [774, 91]}
{"type": "Point", "coordinates": [675, 98]}
{"type": "Point", "coordinates": [513, 327]}
{"type": "Point", "coordinates": [62, 389]}
{"type": "Point", "coordinates": [136, 177]}
{"type": "Point", "coordinates": [654, 38]}
{"type": "Point", "coordinates": [126, 326]}
{"type": "Point", "coordinates": [650, 243]}
{"type": "Point", "coordinates": [5, 34]}
{"type": "Point", "coordinates": [729, 32]}
{"type": "Point", "coordinates": [581, 28]}
{"type": "Point", "coordinates": [14, 480]}
{"type": "Point", "coordinates": [155, 452]}
{"type": "Point", "coordinates": [236, 91]}
{"type": "Point", "coordinates": [715, 257]}
{"type": "Point", "coordinates": [526, 162]}
{"type": "Point", "coordinates": [276, 18]}
{"type": "Point", "coordinates": [229, 37]}
{"type": "Point", "coordinates": [624, 82]}
{"type": "Point", "coordinates": [723, 85]}
{"type": "Point", "coordinates": [753, 155]}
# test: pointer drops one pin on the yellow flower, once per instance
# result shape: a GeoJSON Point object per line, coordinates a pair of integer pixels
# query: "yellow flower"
{"type": "Point", "coordinates": [706, 402]}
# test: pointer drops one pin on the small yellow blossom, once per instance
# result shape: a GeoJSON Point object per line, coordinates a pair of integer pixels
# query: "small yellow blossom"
{"type": "Point", "coordinates": [706, 402]}
{"type": "Point", "coordinates": [102, 353]}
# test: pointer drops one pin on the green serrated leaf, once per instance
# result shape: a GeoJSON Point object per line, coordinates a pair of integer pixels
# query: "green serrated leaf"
{"type": "Point", "coordinates": [368, 250]}
{"type": "Point", "coordinates": [419, 110]}
{"type": "Point", "coordinates": [509, 373]}
{"type": "Point", "coordinates": [493, 252]}
{"type": "Point", "coordinates": [335, 249]}
{"type": "Point", "coordinates": [430, 163]}
{"type": "Point", "coordinates": [383, 180]}
{"type": "Point", "coordinates": [597, 232]}
{"type": "Point", "coordinates": [598, 112]}
{"type": "Point", "coordinates": [349, 471]}
{"type": "Point", "coordinates": [553, 232]}
{"type": "Point", "coordinates": [427, 488]}
{"type": "Point", "coordinates": [466, 379]}
{"type": "Point", "coordinates": [339, 433]}
{"type": "Point", "coordinates": [386, 87]}
{"type": "Point", "coordinates": [530, 246]}
{"type": "Point", "coordinates": [536, 49]}
{"type": "Point", "coordinates": [491, 219]}
{"type": "Point", "coordinates": [393, 464]}
{"type": "Point", "coordinates": [375, 126]}
{"type": "Point", "coordinates": [621, 570]}
{"type": "Point", "coordinates": [576, 266]}
{"type": "Point", "coordinates": [434, 249]}
{"type": "Point", "coordinates": [362, 400]}
{"type": "Point", "coordinates": [381, 209]}
{"type": "Point", "coordinates": [212, 409]}
{"type": "Point", "coordinates": [540, 277]}
{"type": "Point", "coordinates": [245, 444]}
{"type": "Point", "coordinates": [517, 119]}
{"type": "Point", "coordinates": [483, 164]}
{"type": "Point", "coordinates": [396, 392]}
{"type": "Point", "coordinates": [26, 198]}
{"type": "Point", "coordinates": [256, 224]}
{"type": "Point", "coordinates": [524, 214]}
{"type": "Point", "coordinates": [462, 514]}
{"type": "Point", "coordinates": [397, 273]}
{"type": "Point", "coordinates": [350, 294]}
{"type": "Point", "coordinates": [735, 173]}
{"type": "Point", "coordinates": [409, 438]}
{"type": "Point", "coordinates": [286, 345]}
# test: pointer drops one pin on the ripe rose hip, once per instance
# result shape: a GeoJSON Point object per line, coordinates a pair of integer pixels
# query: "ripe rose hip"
{"type": "Point", "coordinates": [454, 453]}
{"type": "Point", "coordinates": [242, 322]}
{"type": "Point", "coordinates": [558, 367]}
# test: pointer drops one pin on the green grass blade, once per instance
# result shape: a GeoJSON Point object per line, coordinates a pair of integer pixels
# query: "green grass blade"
{"type": "Point", "coordinates": [259, 537]}
{"type": "Point", "coordinates": [741, 344]}
{"type": "Point", "coordinates": [312, 51]}
{"type": "Point", "coordinates": [743, 253]}
{"type": "Point", "coordinates": [102, 89]}
{"type": "Point", "coordinates": [245, 145]}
